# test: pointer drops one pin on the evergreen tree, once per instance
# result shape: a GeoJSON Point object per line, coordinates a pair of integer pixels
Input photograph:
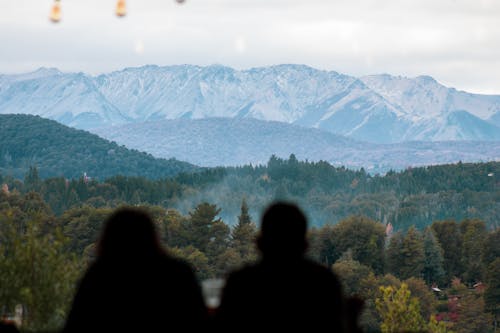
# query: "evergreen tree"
{"type": "Point", "coordinates": [243, 236]}
{"type": "Point", "coordinates": [394, 253]}
{"type": "Point", "coordinates": [433, 271]}
{"type": "Point", "coordinates": [412, 252]}
{"type": "Point", "coordinates": [244, 217]}
{"type": "Point", "coordinates": [177, 233]}
{"type": "Point", "coordinates": [201, 221]}
{"type": "Point", "coordinates": [217, 245]}
{"type": "Point", "coordinates": [450, 239]}
{"type": "Point", "coordinates": [473, 236]}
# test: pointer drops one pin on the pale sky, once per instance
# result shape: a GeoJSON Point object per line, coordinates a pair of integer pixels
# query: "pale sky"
{"type": "Point", "coordinates": [455, 41]}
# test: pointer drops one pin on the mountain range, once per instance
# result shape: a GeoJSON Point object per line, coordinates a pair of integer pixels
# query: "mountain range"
{"type": "Point", "coordinates": [377, 108]}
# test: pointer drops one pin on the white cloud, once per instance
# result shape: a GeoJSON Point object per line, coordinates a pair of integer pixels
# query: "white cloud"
{"type": "Point", "coordinates": [456, 41]}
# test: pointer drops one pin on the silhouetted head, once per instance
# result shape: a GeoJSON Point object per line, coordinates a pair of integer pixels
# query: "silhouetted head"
{"type": "Point", "coordinates": [128, 232]}
{"type": "Point", "coordinates": [283, 231]}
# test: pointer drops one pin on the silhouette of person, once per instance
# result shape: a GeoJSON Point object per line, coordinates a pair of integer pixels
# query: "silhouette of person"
{"type": "Point", "coordinates": [133, 285]}
{"type": "Point", "coordinates": [284, 291]}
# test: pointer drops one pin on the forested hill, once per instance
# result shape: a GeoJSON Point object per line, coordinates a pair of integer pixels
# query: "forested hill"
{"type": "Point", "coordinates": [57, 150]}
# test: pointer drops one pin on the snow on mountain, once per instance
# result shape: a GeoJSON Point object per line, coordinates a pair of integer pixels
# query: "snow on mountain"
{"type": "Point", "coordinates": [280, 93]}
{"type": "Point", "coordinates": [71, 99]}
{"type": "Point", "coordinates": [436, 112]}
{"type": "Point", "coordinates": [378, 108]}
{"type": "Point", "coordinates": [236, 141]}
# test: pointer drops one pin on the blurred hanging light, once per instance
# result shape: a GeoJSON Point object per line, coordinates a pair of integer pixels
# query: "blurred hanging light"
{"type": "Point", "coordinates": [55, 12]}
{"type": "Point", "coordinates": [121, 9]}
{"type": "Point", "coordinates": [180, 2]}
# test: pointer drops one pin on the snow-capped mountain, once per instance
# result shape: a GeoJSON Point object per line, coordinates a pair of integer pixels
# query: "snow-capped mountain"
{"type": "Point", "coordinates": [436, 112]}
{"type": "Point", "coordinates": [380, 108]}
{"type": "Point", "coordinates": [237, 141]}
{"type": "Point", "coordinates": [71, 99]}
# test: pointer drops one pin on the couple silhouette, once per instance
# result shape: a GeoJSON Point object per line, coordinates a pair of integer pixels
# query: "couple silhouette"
{"type": "Point", "coordinates": [134, 285]}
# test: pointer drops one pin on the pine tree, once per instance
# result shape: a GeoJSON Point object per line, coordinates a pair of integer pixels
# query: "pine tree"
{"type": "Point", "coordinates": [394, 255]}
{"type": "Point", "coordinates": [413, 254]}
{"type": "Point", "coordinates": [450, 239]}
{"type": "Point", "coordinates": [473, 237]}
{"type": "Point", "coordinates": [243, 235]}
{"type": "Point", "coordinates": [433, 271]}
{"type": "Point", "coordinates": [201, 221]}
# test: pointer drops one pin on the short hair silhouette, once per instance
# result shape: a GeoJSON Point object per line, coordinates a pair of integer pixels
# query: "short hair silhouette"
{"type": "Point", "coordinates": [284, 290]}
{"type": "Point", "coordinates": [283, 230]}
{"type": "Point", "coordinates": [134, 285]}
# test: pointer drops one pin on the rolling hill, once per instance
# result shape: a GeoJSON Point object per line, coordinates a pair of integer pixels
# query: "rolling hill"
{"type": "Point", "coordinates": [58, 150]}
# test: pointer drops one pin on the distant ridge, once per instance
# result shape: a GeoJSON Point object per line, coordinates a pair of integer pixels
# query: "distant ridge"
{"type": "Point", "coordinates": [57, 150]}
{"type": "Point", "coordinates": [239, 141]}
{"type": "Point", "coordinates": [377, 108]}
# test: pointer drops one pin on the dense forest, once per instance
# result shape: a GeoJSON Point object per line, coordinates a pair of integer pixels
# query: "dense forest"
{"type": "Point", "coordinates": [416, 196]}
{"type": "Point", "coordinates": [389, 238]}
{"type": "Point", "coordinates": [58, 150]}
{"type": "Point", "coordinates": [43, 255]}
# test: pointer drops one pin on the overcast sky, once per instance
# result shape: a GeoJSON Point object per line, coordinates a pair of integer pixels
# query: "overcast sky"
{"type": "Point", "coordinates": [455, 41]}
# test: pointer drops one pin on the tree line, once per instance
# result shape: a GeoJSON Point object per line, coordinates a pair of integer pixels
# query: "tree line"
{"type": "Point", "coordinates": [329, 194]}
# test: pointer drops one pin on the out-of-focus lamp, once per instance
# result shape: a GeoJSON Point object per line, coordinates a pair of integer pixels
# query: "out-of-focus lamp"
{"type": "Point", "coordinates": [55, 12]}
{"type": "Point", "coordinates": [121, 8]}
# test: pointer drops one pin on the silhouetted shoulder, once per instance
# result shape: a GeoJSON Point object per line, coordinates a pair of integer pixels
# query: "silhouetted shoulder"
{"type": "Point", "coordinates": [295, 293]}
{"type": "Point", "coordinates": [150, 295]}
